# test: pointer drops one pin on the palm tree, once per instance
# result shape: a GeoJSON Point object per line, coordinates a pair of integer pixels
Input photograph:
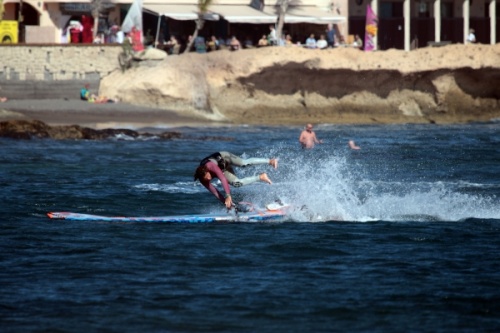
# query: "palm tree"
{"type": "Point", "coordinates": [96, 6]}
{"type": "Point", "coordinates": [2, 9]}
{"type": "Point", "coordinates": [282, 8]}
{"type": "Point", "coordinates": [200, 21]}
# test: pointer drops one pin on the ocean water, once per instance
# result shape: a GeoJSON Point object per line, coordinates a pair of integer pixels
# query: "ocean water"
{"type": "Point", "coordinates": [400, 236]}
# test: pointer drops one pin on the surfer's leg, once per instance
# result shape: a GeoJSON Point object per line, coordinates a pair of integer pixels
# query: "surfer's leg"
{"type": "Point", "coordinates": [238, 161]}
{"type": "Point", "coordinates": [265, 178]}
{"type": "Point", "coordinates": [237, 182]}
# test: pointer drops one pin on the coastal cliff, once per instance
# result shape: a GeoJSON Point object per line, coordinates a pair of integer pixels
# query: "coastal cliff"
{"type": "Point", "coordinates": [293, 85]}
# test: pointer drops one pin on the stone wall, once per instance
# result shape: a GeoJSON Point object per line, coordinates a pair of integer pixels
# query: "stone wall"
{"type": "Point", "coordinates": [54, 71]}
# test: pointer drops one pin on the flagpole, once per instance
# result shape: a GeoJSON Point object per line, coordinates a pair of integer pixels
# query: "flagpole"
{"type": "Point", "coordinates": [157, 29]}
{"type": "Point", "coordinates": [375, 11]}
{"type": "Point", "coordinates": [371, 30]}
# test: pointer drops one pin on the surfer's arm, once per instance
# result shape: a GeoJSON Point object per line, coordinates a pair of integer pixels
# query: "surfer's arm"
{"type": "Point", "coordinates": [216, 172]}
{"type": "Point", "coordinates": [226, 200]}
{"type": "Point", "coordinates": [212, 189]}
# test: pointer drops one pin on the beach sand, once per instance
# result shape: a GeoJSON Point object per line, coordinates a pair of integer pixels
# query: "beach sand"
{"type": "Point", "coordinates": [284, 86]}
{"type": "Point", "coordinates": [56, 112]}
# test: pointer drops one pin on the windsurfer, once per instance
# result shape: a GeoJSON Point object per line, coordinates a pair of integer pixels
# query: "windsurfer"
{"type": "Point", "coordinates": [219, 165]}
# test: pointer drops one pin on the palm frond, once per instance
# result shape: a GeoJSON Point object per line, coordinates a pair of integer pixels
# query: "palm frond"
{"type": "Point", "coordinates": [203, 5]}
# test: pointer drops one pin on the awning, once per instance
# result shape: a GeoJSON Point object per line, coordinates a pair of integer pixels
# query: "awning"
{"type": "Point", "coordinates": [68, 1]}
{"type": "Point", "coordinates": [242, 14]}
{"type": "Point", "coordinates": [307, 14]}
{"type": "Point", "coordinates": [177, 12]}
{"type": "Point", "coordinates": [33, 3]}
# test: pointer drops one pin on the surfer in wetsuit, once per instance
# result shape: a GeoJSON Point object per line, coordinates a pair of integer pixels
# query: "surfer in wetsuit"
{"type": "Point", "coordinates": [219, 165]}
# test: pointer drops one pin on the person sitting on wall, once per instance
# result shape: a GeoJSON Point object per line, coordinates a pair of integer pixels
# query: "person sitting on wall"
{"type": "Point", "coordinates": [263, 41]}
{"type": "Point", "coordinates": [213, 44]}
{"type": "Point", "coordinates": [358, 42]}
{"type": "Point", "coordinates": [471, 38]}
{"type": "Point", "coordinates": [322, 43]}
{"type": "Point", "coordinates": [311, 42]}
{"type": "Point", "coordinates": [234, 45]}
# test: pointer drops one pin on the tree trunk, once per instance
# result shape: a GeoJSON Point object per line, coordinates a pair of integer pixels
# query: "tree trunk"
{"type": "Point", "coordinates": [283, 8]}
{"type": "Point", "coordinates": [96, 25]}
{"type": "Point", "coordinates": [199, 25]}
{"type": "Point", "coordinates": [96, 6]}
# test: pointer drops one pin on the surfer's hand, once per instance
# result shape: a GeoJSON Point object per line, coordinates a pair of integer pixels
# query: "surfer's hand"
{"type": "Point", "coordinates": [228, 202]}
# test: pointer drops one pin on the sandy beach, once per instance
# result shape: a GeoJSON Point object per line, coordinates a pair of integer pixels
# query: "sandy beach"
{"type": "Point", "coordinates": [57, 112]}
{"type": "Point", "coordinates": [277, 86]}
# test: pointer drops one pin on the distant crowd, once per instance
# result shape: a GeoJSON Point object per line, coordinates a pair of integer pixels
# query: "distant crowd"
{"type": "Point", "coordinates": [329, 39]}
{"type": "Point", "coordinates": [81, 32]}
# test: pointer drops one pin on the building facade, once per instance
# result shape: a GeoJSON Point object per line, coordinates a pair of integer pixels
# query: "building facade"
{"type": "Point", "coordinates": [402, 24]}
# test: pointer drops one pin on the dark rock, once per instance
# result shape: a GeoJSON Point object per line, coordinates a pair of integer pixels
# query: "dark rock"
{"type": "Point", "coordinates": [35, 129]}
{"type": "Point", "coordinates": [23, 129]}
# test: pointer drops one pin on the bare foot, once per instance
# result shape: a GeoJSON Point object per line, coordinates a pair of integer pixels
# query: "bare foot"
{"type": "Point", "coordinates": [265, 178]}
{"type": "Point", "coordinates": [274, 163]}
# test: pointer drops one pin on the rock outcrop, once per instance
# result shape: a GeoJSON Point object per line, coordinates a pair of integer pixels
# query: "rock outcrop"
{"type": "Point", "coordinates": [278, 85]}
{"type": "Point", "coordinates": [35, 129]}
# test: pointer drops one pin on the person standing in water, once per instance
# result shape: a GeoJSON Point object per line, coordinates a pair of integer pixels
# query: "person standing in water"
{"type": "Point", "coordinates": [308, 138]}
{"type": "Point", "coordinates": [220, 165]}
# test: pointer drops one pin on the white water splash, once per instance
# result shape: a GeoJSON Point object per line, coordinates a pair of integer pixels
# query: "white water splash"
{"type": "Point", "coordinates": [178, 187]}
{"type": "Point", "coordinates": [323, 186]}
{"type": "Point", "coordinates": [326, 188]}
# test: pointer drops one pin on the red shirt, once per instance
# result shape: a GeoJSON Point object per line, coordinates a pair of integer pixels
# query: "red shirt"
{"type": "Point", "coordinates": [216, 172]}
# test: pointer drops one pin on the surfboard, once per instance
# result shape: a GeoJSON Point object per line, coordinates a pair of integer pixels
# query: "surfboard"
{"type": "Point", "coordinates": [253, 216]}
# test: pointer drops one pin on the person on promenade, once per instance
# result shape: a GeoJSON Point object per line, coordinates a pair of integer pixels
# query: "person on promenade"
{"type": "Point", "coordinates": [220, 165]}
{"type": "Point", "coordinates": [200, 44]}
{"type": "Point", "coordinates": [272, 38]}
{"type": "Point", "coordinates": [263, 41]}
{"type": "Point", "coordinates": [308, 138]}
{"type": "Point", "coordinates": [358, 43]}
{"type": "Point", "coordinates": [213, 44]}
{"type": "Point", "coordinates": [471, 39]}
{"type": "Point", "coordinates": [321, 43]}
{"type": "Point", "coordinates": [234, 45]}
{"type": "Point", "coordinates": [311, 42]}
{"type": "Point", "coordinates": [330, 35]}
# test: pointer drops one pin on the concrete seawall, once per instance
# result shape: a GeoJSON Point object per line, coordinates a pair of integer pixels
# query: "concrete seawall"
{"type": "Point", "coordinates": [54, 71]}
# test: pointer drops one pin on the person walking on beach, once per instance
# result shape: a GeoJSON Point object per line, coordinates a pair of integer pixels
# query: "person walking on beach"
{"type": "Point", "coordinates": [220, 165]}
{"type": "Point", "coordinates": [308, 138]}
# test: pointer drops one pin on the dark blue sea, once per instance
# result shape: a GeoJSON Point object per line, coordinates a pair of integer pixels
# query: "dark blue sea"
{"type": "Point", "coordinates": [400, 236]}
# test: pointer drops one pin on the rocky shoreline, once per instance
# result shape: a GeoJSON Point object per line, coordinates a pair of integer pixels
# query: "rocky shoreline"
{"type": "Point", "coordinates": [35, 129]}
{"type": "Point", "coordinates": [293, 85]}
{"type": "Point", "coordinates": [287, 86]}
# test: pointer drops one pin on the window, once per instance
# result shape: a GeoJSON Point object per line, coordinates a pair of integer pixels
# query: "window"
{"type": "Point", "coordinates": [391, 9]}
{"type": "Point", "coordinates": [447, 9]}
{"type": "Point", "coordinates": [423, 8]}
